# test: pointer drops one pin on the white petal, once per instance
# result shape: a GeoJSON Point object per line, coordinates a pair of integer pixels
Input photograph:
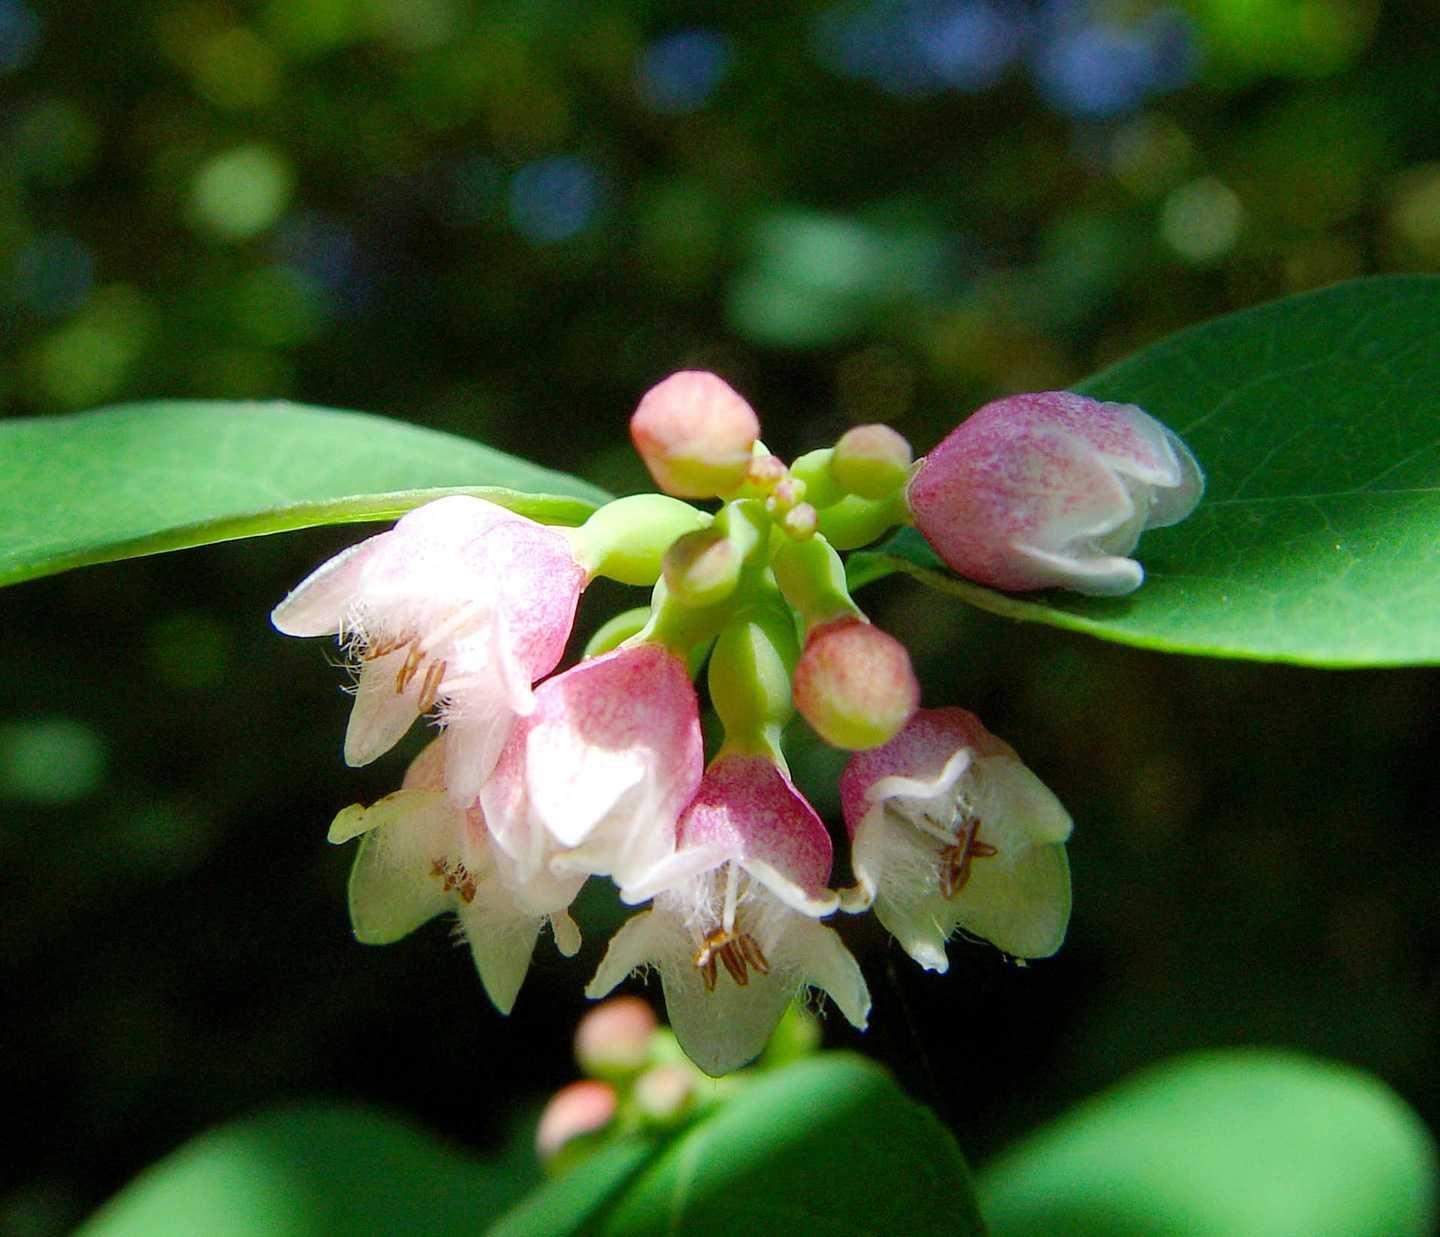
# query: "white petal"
{"type": "Point", "coordinates": [791, 894]}
{"type": "Point", "coordinates": [1008, 797]}
{"type": "Point", "coordinates": [381, 715]}
{"type": "Point", "coordinates": [723, 1029]}
{"type": "Point", "coordinates": [392, 891]}
{"type": "Point", "coordinates": [574, 784]}
{"type": "Point", "coordinates": [937, 787]}
{"type": "Point", "coordinates": [819, 956]}
{"type": "Point", "coordinates": [1022, 907]}
{"type": "Point", "coordinates": [1170, 505]}
{"type": "Point", "coordinates": [567, 933]}
{"type": "Point", "coordinates": [502, 942]}
{"type": "Point", "coordinates": [671, 871]}
{"type": "Point", "coordinates": [317, 606]}
{"type": "Point", "coordinates": [900, 864]}
{"type": "Point", "coordinates": [474, 739]}
{"type": "Point", "coordinates": [1103, 576]}
{"type": "Point", "coordinates": [917, 929]}
{"type": "Point", "coordinates": [642, 940]}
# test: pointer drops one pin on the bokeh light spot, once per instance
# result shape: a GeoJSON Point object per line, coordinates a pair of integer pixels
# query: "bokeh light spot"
{"type": "Point", "coordinates": [53, 274]}
{"type": "Point", "coordinates": [556, 198]}
{"type": "Point", "coordinates": [1201, 220]}
{"type": "Point", "coordinates": [52, 760]}
{"type": "Point", "coordinates": [241, 192]}
{"type": "Point", "coordinates": [679, 72]}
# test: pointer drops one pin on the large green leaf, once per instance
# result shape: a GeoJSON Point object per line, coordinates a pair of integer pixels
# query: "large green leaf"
{"type": "Point", "coordinates": [143, 478]}
{"type": "Point", "coordinates": [828, 1146]}
{"type": "Point", "coordinates": [316, 1171]}
{"type": "Point", "coordinates": [1317, 419]}
{"type": "Point", "coordinates": [1233, 1144]}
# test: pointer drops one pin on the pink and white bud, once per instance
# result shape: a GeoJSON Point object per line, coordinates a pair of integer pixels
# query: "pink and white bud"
{"type": "Point", "coordinates": [581, 1108]}
{"type": "Point", "coordinates": [695, 434]}
{"type": "Point", "coordinates": [733, 929]}
{"type": "Point", "coordinates": [1052, 490]}
{"type": "Point", "coordinates": [950, 831]}
{"type": "Point", "coordinates": [872, 461]}
{"type": "Point", "coordinates": [421, 856]}
{"type": "Point", "coordinates": [595, 778]}
{"type": "Point", "coordinates": [613, 1039]}
{"type": "Point", "coordinates": [666, 1091]}
{"type": "Point", "coordinates": [460, 607]}
{"type": "Point", "coordinates": [854, 684]}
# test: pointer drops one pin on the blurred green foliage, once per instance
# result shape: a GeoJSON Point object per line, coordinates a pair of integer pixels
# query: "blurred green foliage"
{"type": "Point", "coordinates": [507, 220]}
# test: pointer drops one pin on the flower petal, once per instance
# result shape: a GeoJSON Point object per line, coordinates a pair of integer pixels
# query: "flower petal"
{"type": "Point", "coordinates": [381, 714]}
{"type": "Point", "coordinates": [392, 891]}
{"type": "Point", "coordinates": [502, 942]}
{"type": "Point", "coordinates": [1021, 907]}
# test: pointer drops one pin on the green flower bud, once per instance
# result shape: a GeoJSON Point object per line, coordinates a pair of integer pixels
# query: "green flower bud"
{"type": "Point", "coordinates": [814, 468]}
{"type": "Point", "coordinates": [812, 577]}
{"type": "Point", "coordinates": [618, 630]}
{"type": "Point", "coordinates": [626, 539]}
{"type": "Point", "coordinates": [855, 521]}
{"type": "Point", "coordinates": [750, 671]}
{"type": "Point", "coordinates": [872, 461]}
{"type": "Point", "coordinates": [702, 568]}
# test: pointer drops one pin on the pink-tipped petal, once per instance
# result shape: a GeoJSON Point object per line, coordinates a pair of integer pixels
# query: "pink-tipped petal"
{"type": "Point", "coordinates": [854, 684]}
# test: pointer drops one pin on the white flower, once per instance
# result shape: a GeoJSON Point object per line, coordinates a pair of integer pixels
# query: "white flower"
{"type": "Point", "coordinates": [421, 856]}
{"type": "Point", "coordinates": [949, 830]}
{"type": "Point", "coordinates": [461, 606]}
{"type": "Point", "coordinates": [733, 930]}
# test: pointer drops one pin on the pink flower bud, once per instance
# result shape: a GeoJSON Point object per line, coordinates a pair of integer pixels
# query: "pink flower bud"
{"type": "Point", "coordinates": [581, 1108]}
{"type": "Point", "coordinates": [665, 1091]}
{"type": "Point", "coordinates": [871, 461]}
{"type": "Point", "coordinates": [613, 1039]}
{"type": "Point", "coordinates": [695, 435]}
{"type": "Point", "coordinates": [1052, 490]}
{"type": "Point", "coordinates": [854, 684]}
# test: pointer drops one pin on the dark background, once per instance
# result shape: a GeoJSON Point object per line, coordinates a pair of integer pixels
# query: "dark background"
{"type": "Point", "coordinates": [508, 220]}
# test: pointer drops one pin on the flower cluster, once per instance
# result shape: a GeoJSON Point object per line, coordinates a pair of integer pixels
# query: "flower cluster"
{"type": "Point", "coordinates": [539, 781]}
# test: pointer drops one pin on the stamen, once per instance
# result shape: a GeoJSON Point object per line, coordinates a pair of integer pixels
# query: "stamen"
{"type": "Point", "coordinates": [955, 860]}
{"type": "Point", "coordinates": [750, 947]}
{"type": "Point", "coordinates": [428, 689]}
{"type": "Point", "coordinates": [734, 962]}
{"type": "Point", "coordinates": [736, 951]}
{"type": "Point", "coordinates": [413, 661]}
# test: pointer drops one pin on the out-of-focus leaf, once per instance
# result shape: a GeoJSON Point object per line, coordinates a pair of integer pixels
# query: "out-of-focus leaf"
{"type": "Point", "coordinates": [310, 1172]}
{"type": "Point", "coordinates": [829, 1145]}
{"type": "Point", "coordinates": [144, 478]}
{"type": "Point", "coordinates": [1234, 1144]}
{"type": "Point", "coordinates": [1317, 420]}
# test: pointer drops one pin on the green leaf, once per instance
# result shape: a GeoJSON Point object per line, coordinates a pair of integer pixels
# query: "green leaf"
{"type": "Point", "coordinates": [143, 478]}
{"type": "Point", "coordinates": [315, 1171]}
{"type": "Point", "coordinates": [1230, 1144]}
{"type": "Point", "coordinates": [1317, 420]}
{"type": "Point", "coordinates": [827, 1146]}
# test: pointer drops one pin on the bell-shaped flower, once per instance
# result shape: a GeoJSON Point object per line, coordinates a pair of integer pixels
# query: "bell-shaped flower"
{"type": "Point", "coordinates": [461, 606]}
{"type": "Point", "coordinates": [421, 856]}
{"type": "Point", "coordinates": [595, 777]}
{"type": "Point", "coordinates": [949, 831]}
{"type": "Point", "coordinates": [733, 931]}
{"type": "Point", "coordinates": [1052, 490]}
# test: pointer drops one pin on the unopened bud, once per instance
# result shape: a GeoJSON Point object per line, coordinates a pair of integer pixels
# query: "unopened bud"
{"type": "Point", "coordinates": [765, 472]}
{"type": "Point", "coordinates": [664, 1092]}
{"type": "Point", "coordinates": [854, 684]}
{"type": "Point", "coordinates": [1052, 490]}
{"type": "Point", "coordinates": [613, 1039]}
{"type": "Point", "coordinates": [573, 1111]}
{"type": "Point", "coordinates": [800, 522]}
{"type": "Point", "coordinates": [702, 569]}
{"type": "Point", "coordinates": [785, 495]}
{"type": "Point", "coordinates": [695, 434]}
{"type": "Point", "coordinates": [872, 461]}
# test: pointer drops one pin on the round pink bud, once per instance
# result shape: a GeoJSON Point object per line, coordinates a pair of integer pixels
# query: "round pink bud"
{"type": "Point", "coordinates": [854, 684]}
{"type": "Point", "coordinates": [665, 1092]}
{"type": "Point", "coordinates": [575, 1110]}
{"type": "Point", "coordinates": [613, 1039]}
{"type": "Point", "coordinates": [695, 434]}
{"type": "Point", "coordinates": [1052, 490]}
{"type": "Point", "coordinates": [871, 461]}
